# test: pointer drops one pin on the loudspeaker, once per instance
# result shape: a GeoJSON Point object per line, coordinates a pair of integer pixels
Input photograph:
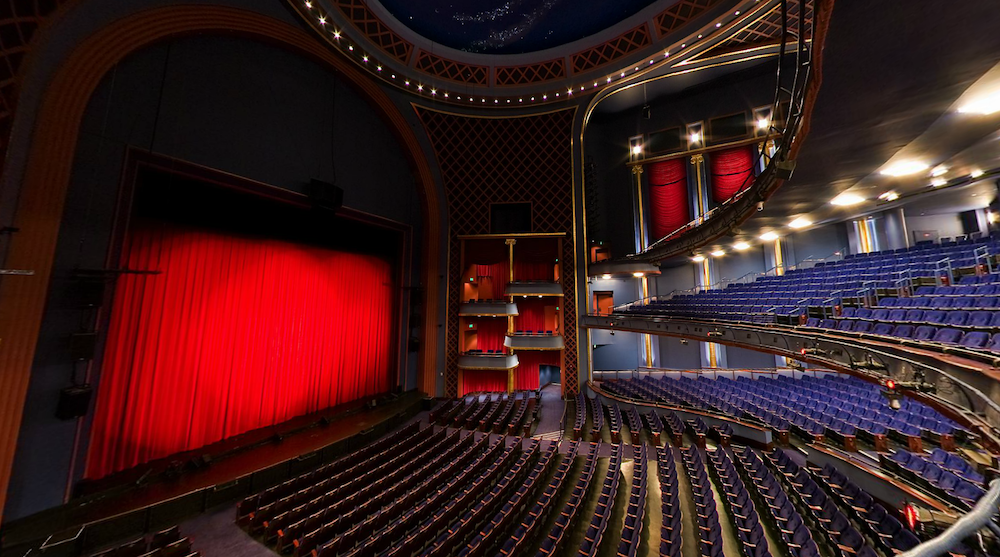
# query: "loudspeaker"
{"type": "Point", "coordinates": [74, 402]}
{"type": "Point", "coordinates": [82, 346]}
{"type": "Point", "coordinates": [325, 195]}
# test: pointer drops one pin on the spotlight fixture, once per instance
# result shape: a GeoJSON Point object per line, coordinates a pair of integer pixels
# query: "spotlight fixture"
{"type": "Point", "coordinates": [938, 182]}
{"type": "Point", "coordinates": [939, 171]}
{"type": "Point", "coordinates": [847, 199]}
{"type": "Point", "coordinates": [638, 274]}
{"type": "Point", "coordinates": [904, 168]}
{"type": "Point", "coordinates": [636, 149]}
{"type": "Point", "coordinates": [698, 258]}
{"type": "Point", "coordinates": [763, 123]}
{"type": "Point", "coordinates": [718, 253]}
{"type": "Point", "coordinates": [976, 173]}
{"type": "Point", "coordinates": [695, 137]}
{"type": "Point", "coordinates": [606, 276]}
{"type": "Point", "coordinates": [769, 236]}
{"type": "Point", "coordinates": [800, 222]}
{"type": "Point", "coordinates": [889, 196]}
{"type": "Point", "coordinates": [740, 246]}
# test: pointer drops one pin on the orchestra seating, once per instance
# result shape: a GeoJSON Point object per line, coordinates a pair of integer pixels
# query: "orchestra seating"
{"type": "Point", "coordinates": [165, 543]}
{"type": "Point", "coordinates": [672, 525]}
{"type": "Point", "coordinates": [632, 529]}
{"type": "Point", "coordinates": [707, 519]}
{"type": "Point", "coordinates": [742, 511]}
{"type": "Point", "coordinates": [581, 416]}
{"type": "Point", "coordinates": [555, 540]}
{"type": "Point", "coordinates": [542, 507]}
{"type": "Point", "coordinates": [605, 505]}
{"type": "Point", "coordinates": [496, 413]}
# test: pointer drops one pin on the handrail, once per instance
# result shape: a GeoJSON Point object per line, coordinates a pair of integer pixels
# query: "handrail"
{"type": "Point", "coordinates": [981, 516]}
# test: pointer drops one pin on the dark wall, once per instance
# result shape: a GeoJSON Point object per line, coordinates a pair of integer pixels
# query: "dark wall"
{"type": "Point", "coordinates": [675, 355]}
{"type": "Point", "coordinates": [230, 104]}
{"type": "Point", "coordinates": [817, 243]}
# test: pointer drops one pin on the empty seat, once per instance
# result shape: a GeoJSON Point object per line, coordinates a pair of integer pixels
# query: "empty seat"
{"type": "Point", "coordinates": [863, 326]}
{"type": "Point", "coordinates": [979, 319]}
{"type": "Point", "coordinates": [924, 332]}
{"type": "Point", "coordinates": [884, 329]}
{"type": "Point", "coordinates": [957, 318]}
{"type": "Point", "coordinates": [975, 339]}
{"type": "Point", "coordinates": [947, 336]}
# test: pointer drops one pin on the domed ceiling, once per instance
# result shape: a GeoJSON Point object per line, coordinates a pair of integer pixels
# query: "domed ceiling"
{"type": "Point", "coordinates": [509, 26]}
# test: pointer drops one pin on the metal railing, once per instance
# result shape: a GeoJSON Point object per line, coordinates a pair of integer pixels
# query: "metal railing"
{"type": "Point", "coordinates": [982, 516]}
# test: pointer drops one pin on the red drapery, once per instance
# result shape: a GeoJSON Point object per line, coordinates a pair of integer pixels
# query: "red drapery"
{"type": "Point", "coordinates": [234, 334]}
{"type": "Point", "coordinates": [526, 374]}
{"type": "Point", "coordinates": [527, 270]}
{"type": "Point", "coordinates": [493, 280]}
{"type": "Point", "coordinates": [490, 333]}
{"type": "Point", "coordinates": [731, 171]}
{"type": "Point", "coordinates": [531, 314]}
{"type": "Point", "coordinates": [668, 198]}
{"type": "Point", "coordinates": [479, 380]}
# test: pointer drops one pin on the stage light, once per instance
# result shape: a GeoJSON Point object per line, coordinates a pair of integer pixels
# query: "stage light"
{"type": "Point", "coordinates": [606, 276]}
{"type": "Point", "coordinates": [763, 123]}
{"type": "Point", "coordinates": [695, 137]}
{"type": "Point", "coordinates": [718, 253]}
{"type": "Point", "coordinates": [976, 173]}
{"type": "Point", "coordinates": [847, 199]}
{"type": "Point", "coordinates": [986, 104]}
{"type": "Point", "coordinates": [698, 258]}
{"type": "Point", "coordinates": [904, 168]}
{"type": "Point", "coordinates": [638, 274]}
{"type": "Point", "coordinates": [636, 149]}
{"type": "Point", "coordinates": [800, 222]}
{"type": "Point", "coordinates": [336, 35]}
{"type": "Point", "coordinates": [769, 236]}
{"type": "Point", "coordinates": [939, 171]}
{"type": "Point", "coordinates": [322, 20]}
{"type": "Point", "coordinates": [740, 246]}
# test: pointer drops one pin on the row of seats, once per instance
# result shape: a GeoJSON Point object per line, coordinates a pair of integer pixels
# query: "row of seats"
{"type": "Point", "coordinates": [597, 424]}
{"type": "Point", "coordinates": [634, 423]}
{"type": "Point", "coordinates": [542, 508]}
{"type": "Point", "coordinates": [605, 505]}
{"type": "Point", "coordinates": [614, 421]}
{"type": "Point", "coordinates": [960, 483]}
{"type": "Point", "coordinates": [554, 541]}
{"type": "Point", "coordinates": [670, 504]}
{"type": "Point", "coordinates": [165, 543]}
{"type": "Point", "coordinates": [580, 419]}
{"type": "Point", "coordinates": [707, 515]}
{"type": "Point", "coordinates": [784, 516]}
{"type": "Point", "coordinates": [634, 512]}
{"type": "Point", "coordinates": [949, 336]}
{"type": "Point", "coordinates": [743, 512]}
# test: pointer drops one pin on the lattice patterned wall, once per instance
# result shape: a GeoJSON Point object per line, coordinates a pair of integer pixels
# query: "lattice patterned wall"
{"type": "Point", "coordinates": [680, 13]}
{"type": "Point", "coordinates": [626, 43]}
{"type": "Point", "coordinates": [375, 29]}
{"type": "Point", "coordinates": [531, 73]}
{"type": "Point", "coordinates": [767, 28]}
{"type": "Point", "coordinates": [19, 19]}
{"type": "Point", "coordinates": [516, 159]}
{"type": "Point", "coordinates": [450, 69]}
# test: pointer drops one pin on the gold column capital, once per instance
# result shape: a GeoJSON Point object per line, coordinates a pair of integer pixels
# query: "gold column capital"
{"type": "Point", "coordinates": [637, 169]}
{"type": "Point", "coordinates": [510, 241]}
{"type": "Point", "coordinates": [697, 159]}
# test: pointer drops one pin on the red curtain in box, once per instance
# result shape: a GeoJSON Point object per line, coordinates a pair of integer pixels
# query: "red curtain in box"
{"type": "Point", "coordinates": [732, 170]}
{"type": "Point", "coordinates": [668, 198]}
{"type": "Point", "coordinates": [234, 334]}
{"type": "Point", "coordinates": [527, 270]}
{"type": "Point", "coordinates": [527, 373]}
{"type": "Point", "coordinates": [474, 380]}
{"type": "Point", "coordinates": [493, 280]}
{"type": "Point", "coordinates": [531, 314]}
{"type": "Point", "coordinates": [490, 333]}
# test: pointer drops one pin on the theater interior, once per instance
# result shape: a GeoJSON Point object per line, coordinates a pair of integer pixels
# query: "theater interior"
{"type": "Point", "coordinates": [320, 278]}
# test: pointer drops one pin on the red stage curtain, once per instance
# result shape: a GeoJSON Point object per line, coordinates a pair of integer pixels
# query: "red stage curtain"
{"type": "Point", "coordinates": [493, 280]}
{"type": "Point", "coordinates": [234, 334]}
{"type": "Point", "coordinates": [480, 380]}
{"type": "Point", "coordinates": [526, 270]}
{"type": "Point", "coordinates": [732, 170]}
{"type": "Point", "coordinates": [527, 372]}
{"type": "Point", "coordinates": [668, 198]}
{"type": "Point", "coordinates": [531, 314]}
{"type": "Point", "coordinates": [490, 333]}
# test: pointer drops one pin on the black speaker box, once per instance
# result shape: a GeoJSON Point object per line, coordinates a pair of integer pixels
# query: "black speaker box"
{"type": "Point", "coordinates": [325, 195]}
{"type": "Point", "coordinates": [82, 346]}
{"type": "Point", "coordinates": [74, 402]}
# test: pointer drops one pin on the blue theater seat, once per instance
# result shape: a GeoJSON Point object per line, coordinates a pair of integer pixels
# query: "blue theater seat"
{"type": "Point", "coordinates": [903, 331]}
{"type": "Point", "coordinates": [948, 336]}
{"type": "Point", "coordinates": [975, 339]}
{"type": "Point", "coordinates": [884, 329]}
{"type": "Point", "coordinates": [924, 332]}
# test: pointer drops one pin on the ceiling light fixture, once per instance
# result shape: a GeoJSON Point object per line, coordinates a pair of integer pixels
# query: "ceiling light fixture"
{"type": "Point", "coordinates": [904, 168]}
{"type": "Point", "coordinates": [769, 236]}
{"type": "Point", "coordinates": [718, 253]}
{"type": "Point", "coordinates": [939, 171]}
{"type": "Point", "coordinates": [976, 173]}
{"type": "Point", "coordinates": [740, 246]}
{"type": "Point", "coordinates": [763, 123]}
{"type": "Point", "coordinates": [695, 137]}
{"type": "Point", "coordinates": [938, 182]}
{"type": "Point", "coordinates": [636, 149]}
{"type": "Point", "coordinates": [606, 276]}
{"type": "Point", "coordinates": [800, 222]}
{"type": "Point", "coordinates": [847, 199]}
{"type": "Point", "coordinates": [889, 196]}
{"type": "Point", "coordinates": [698, 258]}
{"type": "Point", "coordinates": [987, 104]}
{"type": "Point", "coordinates": [638, 274]}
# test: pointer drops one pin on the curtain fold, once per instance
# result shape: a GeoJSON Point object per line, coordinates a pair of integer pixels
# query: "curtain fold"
{"type": "Point", "coordinates": [480, 380]}
{"type": "Point", "coordinates": [493, 280]}
{"type": "Point", "coordinates": [490, 333]}
{"type": "Point", "coordinates": [668, 198]}
{"type": "Point", "coordinates": [529, 270]}
{"type": "Point", "coordinates": [732, 170]}
{"type": "Point", "coordinates": [527, 373]}
{"type": "Point", "coordinates": [531, 314]}
{"type": "Point", "coordinates": [234, 334]}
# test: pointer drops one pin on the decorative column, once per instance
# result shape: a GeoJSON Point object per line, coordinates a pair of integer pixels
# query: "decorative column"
{"type": "Point", "coordinates": [707, 279]}
{"type": "Point", "coordinates": [647, 341]}
{"type": "Point", "coordinates": [698, 161]}
{"type": "Point", "coordinates": [510, 318]}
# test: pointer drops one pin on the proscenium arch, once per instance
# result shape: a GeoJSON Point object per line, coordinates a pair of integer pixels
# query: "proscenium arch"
{"type": "Point", "coordinates": [49, 165]}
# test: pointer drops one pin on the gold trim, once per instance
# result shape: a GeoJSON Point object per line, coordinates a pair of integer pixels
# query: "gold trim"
{"type": "Point", "coordinates": [703, 150]}
{"type": "Point", "coordinates": [536, 294]}
{"type": "Point", "coordinates": [698, 161]}
{"type": "Point", "coordinates": [461, 367]}
{"type": "Point", "coordinates": [515, 349]}
{"type": "Point", "coordinates": [513, 235]}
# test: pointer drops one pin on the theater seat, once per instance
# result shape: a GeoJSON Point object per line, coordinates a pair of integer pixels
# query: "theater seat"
{"type": "Point", "coordinates": [975, 339]}
{"type": "Point", "coordinates": [902, 331]}
{"type": "Point", "coordinates": [924, 332]}
{"type": "Point", "coordinates": [948, 336]}
{"type": "Point", "coordinates": [884, 329]}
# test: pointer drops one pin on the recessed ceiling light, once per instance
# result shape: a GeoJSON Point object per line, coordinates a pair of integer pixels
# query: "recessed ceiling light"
{"type": "Point", "coordinates": [889, 196]}
{"type": "Point", "coordinates": [975, 194]}
{"type": "Point", "coordinates": [939, 171]}
{"type": "Point", "coordinates": [987, 104]}
{"type": "Point", "coordinates": [698, 258]}
{"type": "Point", "coordinates": [938, 182]}
{"type": "Point", "coordinates": [740, 246]}
{"type": "Point", "coordinates": [638, 274]}
{"type": "Point", "coordinates": [769, 236]}
{"type": "Point", "coordinates": [800, 222]}
{"type": "Point", "coordinates": [904, 168]}
{"type": "Point", "coordinates": [847, 199]}
{"type": "Point", "coordinates": [718, 253]}
{"type": "Point", "coordinates": [976, 173]}
{"type": "Point", "coordinates": [606, 276]}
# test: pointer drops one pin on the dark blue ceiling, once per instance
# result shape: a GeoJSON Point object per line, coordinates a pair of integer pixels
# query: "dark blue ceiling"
{"type": "Point", "coordinates": [510, 26]}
